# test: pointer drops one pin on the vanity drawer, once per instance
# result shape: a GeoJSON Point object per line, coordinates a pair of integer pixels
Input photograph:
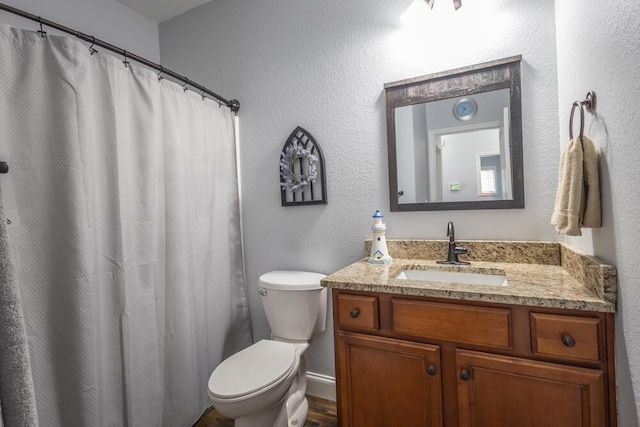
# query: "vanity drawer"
{"type": "Point", "coordinates": [490, 327]}
{"type": "Point", "coordinates": [569, 337]}
{"type": "Point", "coordinates": [357, 311]}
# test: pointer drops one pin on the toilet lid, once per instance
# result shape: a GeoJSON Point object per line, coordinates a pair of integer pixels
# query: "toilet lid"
{"type": "Point", "coordinates": [254, 368]}
{"type": "Point", "coordinates": [291, 280]}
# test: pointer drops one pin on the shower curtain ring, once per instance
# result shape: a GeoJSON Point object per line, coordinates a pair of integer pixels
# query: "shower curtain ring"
{"type": "Point", "coordinates": [186, 82]}
{"type": "Point", "coordinates": [125, 62]}
{"type": "Point", "coordinates": [160, 73]}
{"type": "Point", "coordinates": [91, 49]}
{"type": "Point", "coordinates": [41, 31]}
{"type": "Point", "coordinates": [203, 90]}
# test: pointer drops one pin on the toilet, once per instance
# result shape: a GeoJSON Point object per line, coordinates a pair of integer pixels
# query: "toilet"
{"type": "Point", "coordinates": [264, 385]}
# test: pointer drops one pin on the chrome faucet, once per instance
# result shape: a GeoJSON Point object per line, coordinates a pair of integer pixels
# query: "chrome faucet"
{"type": "Point", "coordinates": [454, 249]}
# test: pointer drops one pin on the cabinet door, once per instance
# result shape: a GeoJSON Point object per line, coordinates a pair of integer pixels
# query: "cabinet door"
{"type": "Point", "coordinates": [500, 391]}
{"type": "Point", "coordinates": [386, 382]}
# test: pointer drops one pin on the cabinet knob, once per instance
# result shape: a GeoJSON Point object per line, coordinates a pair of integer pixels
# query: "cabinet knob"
{"type": "Point", "coordinates": [464, 375]}
{"type": "Point", "coordinates": [431, 370]}
{"type": "Point", "coordinates": [355, 313]}
{"type": "Point", "coordinates": [568, 340]}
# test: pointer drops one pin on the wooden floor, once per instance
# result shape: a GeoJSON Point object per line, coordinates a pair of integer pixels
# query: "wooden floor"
{"type": "Point", "coordinates": [322, 413]}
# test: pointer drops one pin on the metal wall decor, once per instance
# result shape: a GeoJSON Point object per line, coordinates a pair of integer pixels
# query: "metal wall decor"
{"type": "Point", "coordinates": [302, 173]}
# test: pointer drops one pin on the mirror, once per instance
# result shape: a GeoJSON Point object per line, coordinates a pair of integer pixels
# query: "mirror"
{"type": "Point", "coordinates": [455, 139]}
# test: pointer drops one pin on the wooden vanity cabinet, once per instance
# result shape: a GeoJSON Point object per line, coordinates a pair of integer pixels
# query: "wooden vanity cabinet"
{"type": "Point", "coordinates": [414, 361]}
{"type": "Point", "coordinates": [377, 372]}
{"type": "Point", "coordinates": [505, 391]}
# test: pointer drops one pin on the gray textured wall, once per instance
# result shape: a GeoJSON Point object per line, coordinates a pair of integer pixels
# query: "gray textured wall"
{"type": "Point", "coordinates": [599, 50]}
{"type": "Point", "coordinates": [322, 65]}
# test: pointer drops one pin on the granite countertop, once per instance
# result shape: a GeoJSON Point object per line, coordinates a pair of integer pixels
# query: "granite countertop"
{"type": "Point", "coordinates": [543, 274]}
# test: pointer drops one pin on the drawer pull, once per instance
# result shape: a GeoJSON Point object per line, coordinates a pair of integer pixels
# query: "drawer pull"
{"type": "Point", "coordinates": [431, 370]}
{"type": "Point", "coordinates": [464, 375]}
{"type": "Point", "coordinates": [568, 340]}
{"type": "Point", "coordinates": [355, 313]}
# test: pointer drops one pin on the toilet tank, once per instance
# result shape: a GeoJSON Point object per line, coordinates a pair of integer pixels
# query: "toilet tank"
{"type": "Point", "coordinates": [295, 304]}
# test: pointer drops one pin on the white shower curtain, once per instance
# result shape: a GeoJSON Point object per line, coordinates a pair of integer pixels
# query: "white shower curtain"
{"type": "Point", "coordinates": [123, 203]}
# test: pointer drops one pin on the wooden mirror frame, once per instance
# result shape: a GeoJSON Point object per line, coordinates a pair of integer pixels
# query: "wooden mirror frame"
{"type": "Point", "coordinates": [465, 81]}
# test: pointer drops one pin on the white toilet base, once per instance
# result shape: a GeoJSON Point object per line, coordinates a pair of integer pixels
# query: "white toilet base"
{"type": "Point", "coordinates": [263, 419]}
{"type": "Point", "coordinates": [291, 411]}
{"type": "Point", "coordinates": [295, 410]}
{"type": "Point", "coordinates": [298, 417]}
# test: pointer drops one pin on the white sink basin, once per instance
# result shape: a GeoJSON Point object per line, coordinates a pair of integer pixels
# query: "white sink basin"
{"type": "Point", "coordinates": [454, 277]}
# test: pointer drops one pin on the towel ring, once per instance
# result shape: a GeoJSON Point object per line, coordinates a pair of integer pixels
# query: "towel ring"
{"type": "Point", "coordinates": [589, 104]}
{"type": "Point", "coordinates": [573, 109]}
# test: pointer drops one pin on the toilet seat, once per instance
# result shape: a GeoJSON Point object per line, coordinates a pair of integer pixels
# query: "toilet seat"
{"type": "Point", "coordinates": [259, 367]}
{"type": "Point", "coordinates": [291, 280]}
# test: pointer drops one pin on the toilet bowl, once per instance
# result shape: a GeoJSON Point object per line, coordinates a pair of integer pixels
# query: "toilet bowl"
{"type": "Point", "coordinates": [251, 385]}
{"type": "Point", "coordinates": [264, 385]}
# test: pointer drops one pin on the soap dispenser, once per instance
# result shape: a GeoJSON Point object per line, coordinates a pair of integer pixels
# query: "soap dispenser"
{"type": "Point", "coordinates": [379, 251]}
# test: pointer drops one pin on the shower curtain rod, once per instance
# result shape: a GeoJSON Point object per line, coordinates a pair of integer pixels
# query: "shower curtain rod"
{"type": "Point", "coordinates": [233, 104]}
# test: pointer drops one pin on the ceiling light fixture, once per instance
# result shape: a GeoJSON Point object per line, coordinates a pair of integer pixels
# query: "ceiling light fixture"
{"type": "Point", "coordinates": [456, 3]}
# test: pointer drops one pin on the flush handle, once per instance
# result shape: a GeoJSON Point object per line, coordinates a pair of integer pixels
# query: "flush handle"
{"type": "Point", "coordinates": [568, 340]}
{"type": "Point", "coordinates": [355, 313]}
{"type": "Point", "coordinates": [263, 292]}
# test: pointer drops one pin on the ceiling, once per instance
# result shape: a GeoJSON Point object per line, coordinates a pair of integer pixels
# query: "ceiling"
{"type": "Point", "coordinates": [161, 10]}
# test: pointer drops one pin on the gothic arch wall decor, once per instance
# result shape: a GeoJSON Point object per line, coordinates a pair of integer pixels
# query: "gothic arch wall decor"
{"type": "Point", "coordinates": [302, 172]}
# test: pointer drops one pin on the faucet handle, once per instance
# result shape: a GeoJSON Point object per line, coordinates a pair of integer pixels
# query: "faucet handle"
{"type": "Point", "coordinates": [459, 250]}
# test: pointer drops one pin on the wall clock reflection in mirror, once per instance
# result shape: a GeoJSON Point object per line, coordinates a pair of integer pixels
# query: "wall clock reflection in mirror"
{"type": "Point", "coordinates": [465, 109]}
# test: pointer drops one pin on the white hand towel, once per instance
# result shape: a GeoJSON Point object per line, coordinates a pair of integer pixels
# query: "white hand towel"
{"type": "Point", "coordinates": [578, 196]}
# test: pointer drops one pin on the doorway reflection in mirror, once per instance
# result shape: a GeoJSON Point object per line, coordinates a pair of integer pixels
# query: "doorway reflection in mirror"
{"type": "Point", "coordinates": [437, 145]}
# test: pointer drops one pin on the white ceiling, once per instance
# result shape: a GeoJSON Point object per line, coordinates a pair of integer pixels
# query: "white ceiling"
{"type": "Point", "coordinates": [161, 10]}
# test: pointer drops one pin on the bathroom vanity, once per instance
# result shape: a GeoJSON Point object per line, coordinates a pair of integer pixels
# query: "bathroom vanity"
{"type": "Point", "coordinates": [536, 352]}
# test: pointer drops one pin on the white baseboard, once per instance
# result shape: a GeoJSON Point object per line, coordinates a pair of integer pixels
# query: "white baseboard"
{"type": "Point", "coordinates": [323, 386]}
